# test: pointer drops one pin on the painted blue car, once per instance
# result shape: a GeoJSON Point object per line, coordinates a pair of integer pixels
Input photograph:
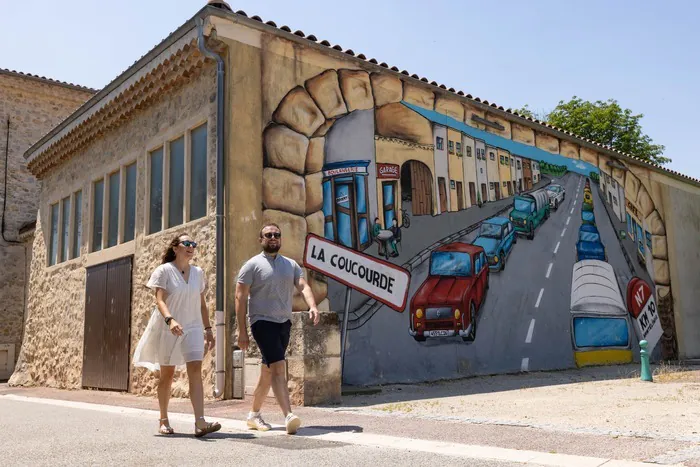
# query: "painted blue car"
{"type": "Point", "coordinates": [587, 217]}
{"type": "Point", "coordinates": [589, 245]}
{"type": "Point", "coordinates": [497, 237]}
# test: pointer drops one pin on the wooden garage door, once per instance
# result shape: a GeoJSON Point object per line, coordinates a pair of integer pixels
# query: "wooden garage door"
{"type": "Point", "coordinates": [421, 189]}
{"type": "Point", "coordinates": [107, 326]}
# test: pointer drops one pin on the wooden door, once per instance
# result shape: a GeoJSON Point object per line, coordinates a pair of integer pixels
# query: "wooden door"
{"type": "Point", "coordinates": [472, 193]}
{"type": "Point", "coordinates": [484, 193]}
{"type": "Point", "coordinates": [442, 187]}
{"type": "Point", "coordinates": [460, 196]}
{"type": "Point", "coordinates": [107, 325]}
{"type": "Point", "coordinates": [421, 189]}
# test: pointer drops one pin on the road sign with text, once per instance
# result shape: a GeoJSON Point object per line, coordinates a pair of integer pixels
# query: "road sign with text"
{"type": "Point", "coordinates": [642, 307]}
{"type": "Point", "coordinates": [383, 281]}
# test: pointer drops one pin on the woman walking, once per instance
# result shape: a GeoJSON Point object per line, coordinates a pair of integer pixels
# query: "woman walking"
{"type": "Point", "coordinates": [177, 331]}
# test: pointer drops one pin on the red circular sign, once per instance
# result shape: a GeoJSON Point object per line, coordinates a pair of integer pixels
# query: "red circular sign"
{"type": "Point", "coordinates": [638, 293]}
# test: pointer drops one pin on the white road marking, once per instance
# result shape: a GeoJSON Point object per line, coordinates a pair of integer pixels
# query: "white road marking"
{"type": "Point", "coordinates": [464, 451]}
{"type": "Point", "coordinates": [572, 210]}
{"type": "Point", "coordinates": [563, 232]}
{"type": "Point", "coordinates": [525, 364]}
{"type": "Point", "coordinates": [528, 339]}
{"type": "Point", "coordinates": [539, 297]}
{"type": "Point", "coordinates": [549, 270]}
{"type": "Point", "coordinates": [568, 219]}
{"type": "Point", "coordinates": [556, 248]}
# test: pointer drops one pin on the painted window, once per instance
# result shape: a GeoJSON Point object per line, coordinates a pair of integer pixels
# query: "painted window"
{"type": "Point", "coordinates": [177, 190]}
{"type": "Point", "coordinates": [469, 151]}
{"type": "Point", "coordinates": [459, 149]}
{"type": "Point", "coordinates": [492, 156]}
{"type": "Point", "coordinates": [65, 228]}
{"type": "Point", "coordinates": [451, 146]}
{"type": "Point", "coordinates": [518, 166]}
{"type": "Point", "coordinates": [450, 263]}
{"type": "Point", "coordinates": [600, 332]}
{"type": "Point", "coordinates": [511, 161]}
{"type": "Point", "coordinates": [53, 239]}
{"type": "Point", "coordinates": [502, 160]}
{"type": "Point", "coordinates": [439, 143]}
{"type": "Point", "coordinates": [491, 185]}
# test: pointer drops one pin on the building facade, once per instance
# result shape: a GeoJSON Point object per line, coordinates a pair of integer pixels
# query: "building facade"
{"type": "Point", "coordinates": [29, 107]}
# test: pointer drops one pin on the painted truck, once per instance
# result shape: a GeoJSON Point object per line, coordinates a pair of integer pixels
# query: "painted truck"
{"type": "Point", "coordinates": [529, 211]}
{"type": "Point", "coordinates": [600, 324]}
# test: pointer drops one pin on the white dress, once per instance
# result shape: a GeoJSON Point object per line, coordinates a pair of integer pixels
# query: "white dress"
{"type": "Point", "coordinates": [158, 346]}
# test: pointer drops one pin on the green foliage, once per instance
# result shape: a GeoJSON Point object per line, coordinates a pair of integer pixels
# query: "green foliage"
{"type": "Point", "coordinates": [552, 169]}
{"type": "Point", "coordinates": [607, 123]}
{"type": "Point", "coordinates": [594, 176]}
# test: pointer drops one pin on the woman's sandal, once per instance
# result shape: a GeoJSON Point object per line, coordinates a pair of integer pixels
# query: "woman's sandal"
{"type": "Point", "coordinates": [210, 428]}
{"type": "Point", "coordinates": [165, 428]}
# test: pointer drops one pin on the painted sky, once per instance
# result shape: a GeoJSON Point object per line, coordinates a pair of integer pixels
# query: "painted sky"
{"type": "Point", "coordinates": [509, 52]}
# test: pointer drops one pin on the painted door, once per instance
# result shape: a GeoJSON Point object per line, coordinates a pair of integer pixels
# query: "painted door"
{"type": "Point", "coordinates": [442, 187]}
{"type": "Point", "coordinates": [389, 195]}
{"type": "Point", "coordinates": [107, 326]}
{"type": "Point", "coordinates": [472, 193]}
{"type": "Point", "coordinates": [460, 196]}
{"type": "Point", "coordinates": [344, 212]}
{"type": "Point", "coordinates": [484, 193]}
{"type": "Point", "coordinates": [421, 189]}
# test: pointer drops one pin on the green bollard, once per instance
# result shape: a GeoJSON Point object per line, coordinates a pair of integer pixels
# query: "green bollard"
{"type": "Point", "coordinates": [644, 357]}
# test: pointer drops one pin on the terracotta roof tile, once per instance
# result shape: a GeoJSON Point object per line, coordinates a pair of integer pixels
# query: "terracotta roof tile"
{"type": "Point", "coordinates": [415, 76]}
{"type": "Point", "coordinates": [271, 23]}
{"type": "Point", "coordinates": [350, 52]}
{"type": "Point", "coordinates": [338, 48]}
{"type": "Point", "coordinates": [286, 28]}
{"type": "Point", "coordinates": [312, 38]}
{"type": "Point", "coordinates": [326, 43]}
{"type": "Point", "coordinates": [242, 13]}
{"type": "Point", "coordinates": [256, 18]}
{"type": "Point", "coordinates": [47, 80]}
{"type": "Point", "coordinates": [461, 93]}
{"type": "Point", "coordinates": [374, 60]}
{"type": "Point", "coordinates": [362, 56]}
{"type": "Point", "coordinates": [299, 33]}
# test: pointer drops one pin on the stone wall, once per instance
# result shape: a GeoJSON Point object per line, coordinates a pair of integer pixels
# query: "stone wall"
{"type": "Point", "coordinates": [34, 107]}
{"type": "Point", "coordinates": [52, 353]}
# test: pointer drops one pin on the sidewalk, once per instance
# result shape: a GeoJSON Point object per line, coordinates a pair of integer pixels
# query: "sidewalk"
{"type": "Point", "coordinates": [601, 413]}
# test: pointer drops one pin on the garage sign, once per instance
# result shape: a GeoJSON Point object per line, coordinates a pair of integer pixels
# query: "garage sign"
{"type": "Point", "coordinates": [642, 308]}
{"type": "Point", "coordinates": [383, 281]}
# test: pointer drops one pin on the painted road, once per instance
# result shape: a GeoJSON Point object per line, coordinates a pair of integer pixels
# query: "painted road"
{"type": "Point", "coordinates": [524, 324]}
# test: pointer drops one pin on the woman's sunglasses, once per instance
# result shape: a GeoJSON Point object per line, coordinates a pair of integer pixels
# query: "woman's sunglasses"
{"type": "Point", "coordinates": [271, 234]}
{"type": "Point", "coordinates": [188, 244]}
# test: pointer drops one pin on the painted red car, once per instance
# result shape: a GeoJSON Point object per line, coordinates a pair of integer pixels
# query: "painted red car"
{"type": "Point", "coordinates": [448, 302]}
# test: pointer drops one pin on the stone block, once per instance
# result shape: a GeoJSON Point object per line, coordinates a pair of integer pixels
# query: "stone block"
{"type": "Point", "coordinates": [357, 89]}
{"type": "Point", "coordinates": [398, 121]}
{"type": "Point", "coordinates": [314, 223]}
{"type": "Point", "coordinates": [603, 164]}
{"type": "Point", "coordinates": [569, 149]}
{"type": "Point", "coordinates": [632, 185]}
{"type": "Point", "coordinates": [315, 155]}
{"type": "Point", "coordinates": [659, 247]}
{"type": "Point", "coordinates": [547, 142]}
{"type": "Point", "coordinates": [646, 205]}
{"type": "Point", "coordinates": [293, 232]}
{"type": "Point", "coordinates": [662, 291]}
{"type": "Point", "coordinates": [285, 149]}
{"type": "Point", "coordinates": [387, 89]}
{"type": "Point", "coordinates": [661, 272]}
{"type": "Point", "coordinates": [418, 96]}
{"type": "Point", "coordinates": [325, 91]}
{"type": "Point", "coordinates": [314, 193]}
{"type": "Point", "coordinates": [299, 112]}
{"type": "Point", "coordinates": [284, 190]}
{"type": "Point", "coordinates": [450, 107]}
{"type": "Point", "coordinates": [470, 110]}
{"type": "Point", "coordinates": [506, 132]}
{"type": "Point", "coordinates": [325, 128]}
{"type": "Point", "coordinates": [589, 155]}
{"type": "Point", "coordinates": [523, 134]}
{"type": "Point", "coordinates": [619, 176]}
{"type": "Point", "coordinates": [655, 224]}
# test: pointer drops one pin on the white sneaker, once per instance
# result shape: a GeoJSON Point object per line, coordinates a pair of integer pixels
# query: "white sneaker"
{"type": "Point", "coordinates": [292, 423]}
{"type": "Point", "coordinates": [257, 423]}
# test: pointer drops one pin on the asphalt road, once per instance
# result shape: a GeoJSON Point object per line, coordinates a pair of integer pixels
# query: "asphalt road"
{"type": "Point", "coordinates": [37, 434]}
{"type": "Point", "coordinates": [524, 324]}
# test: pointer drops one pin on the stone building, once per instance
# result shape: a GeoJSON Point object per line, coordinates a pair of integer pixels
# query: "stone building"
{"type": "Point", "coordinates": [29, 107]}
{"type": "Point", "coordinates": [308, 135]}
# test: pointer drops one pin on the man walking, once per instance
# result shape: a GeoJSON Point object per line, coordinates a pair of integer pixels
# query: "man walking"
{"type": "Point", "coordinates": [265, 286]}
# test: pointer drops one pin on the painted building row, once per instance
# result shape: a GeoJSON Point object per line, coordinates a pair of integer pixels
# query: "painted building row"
{"type": "Point", "coordinates": [231, 122]}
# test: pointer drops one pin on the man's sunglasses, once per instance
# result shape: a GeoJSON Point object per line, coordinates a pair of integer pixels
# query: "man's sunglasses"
{"type": "Point", "coordinates": [272, 234]}
{"type": "Point", "coordinates": [188, 244]}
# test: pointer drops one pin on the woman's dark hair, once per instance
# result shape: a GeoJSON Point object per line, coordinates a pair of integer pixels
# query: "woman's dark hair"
{"type": "Point", "coordinates": [169, 254]}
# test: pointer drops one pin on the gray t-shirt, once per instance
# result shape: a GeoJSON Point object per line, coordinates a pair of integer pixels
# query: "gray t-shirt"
{"type": "Point", "coordinates": [272, 281]}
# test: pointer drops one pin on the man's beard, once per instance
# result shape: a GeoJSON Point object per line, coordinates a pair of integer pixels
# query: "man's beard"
{"type": "Point", "coordinates": [271, 249]}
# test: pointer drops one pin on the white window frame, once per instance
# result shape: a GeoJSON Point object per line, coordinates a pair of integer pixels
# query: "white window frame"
{"type": "Point", "coordinates": [163, 141]}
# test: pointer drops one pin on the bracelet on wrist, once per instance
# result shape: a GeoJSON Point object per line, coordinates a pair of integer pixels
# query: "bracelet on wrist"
{"type": "Point", "coordinates": [208, 328]}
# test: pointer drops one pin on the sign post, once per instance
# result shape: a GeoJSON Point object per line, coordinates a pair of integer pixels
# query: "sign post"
{"type": "Point", "coordinates": [376, 278]}
{"type": "Point", "coordinates": [642, 308]}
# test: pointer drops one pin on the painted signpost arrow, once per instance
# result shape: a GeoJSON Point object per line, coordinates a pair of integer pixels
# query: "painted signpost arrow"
{"type": "Point", "coordinates": [381, 280]}
{"type": "Point", "coordinates": [642, 308]}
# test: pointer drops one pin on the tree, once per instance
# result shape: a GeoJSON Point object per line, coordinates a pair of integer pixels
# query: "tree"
{"type": "Point", "coordinates": [526, 112]}
{"type": "Point", "coordinates": [607, 123]}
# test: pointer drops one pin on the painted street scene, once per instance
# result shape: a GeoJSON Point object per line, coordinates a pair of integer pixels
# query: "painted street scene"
{"type": "Point", "coordinates": [226, 238]}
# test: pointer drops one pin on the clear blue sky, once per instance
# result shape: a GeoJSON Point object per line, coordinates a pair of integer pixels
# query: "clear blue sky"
{"type": "Point", "coordinates": [642, 53]}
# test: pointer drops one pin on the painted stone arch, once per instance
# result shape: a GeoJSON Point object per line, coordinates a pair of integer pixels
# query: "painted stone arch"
{"type": "Point", "coordinates": [638, 193]}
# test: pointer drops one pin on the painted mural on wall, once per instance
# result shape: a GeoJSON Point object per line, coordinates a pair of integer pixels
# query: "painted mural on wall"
{"type": "Point", "coordinates": [515, 241]}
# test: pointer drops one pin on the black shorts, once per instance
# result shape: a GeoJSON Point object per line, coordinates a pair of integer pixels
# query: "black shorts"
{"type": "Point", "coordinates": [272, 339]}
